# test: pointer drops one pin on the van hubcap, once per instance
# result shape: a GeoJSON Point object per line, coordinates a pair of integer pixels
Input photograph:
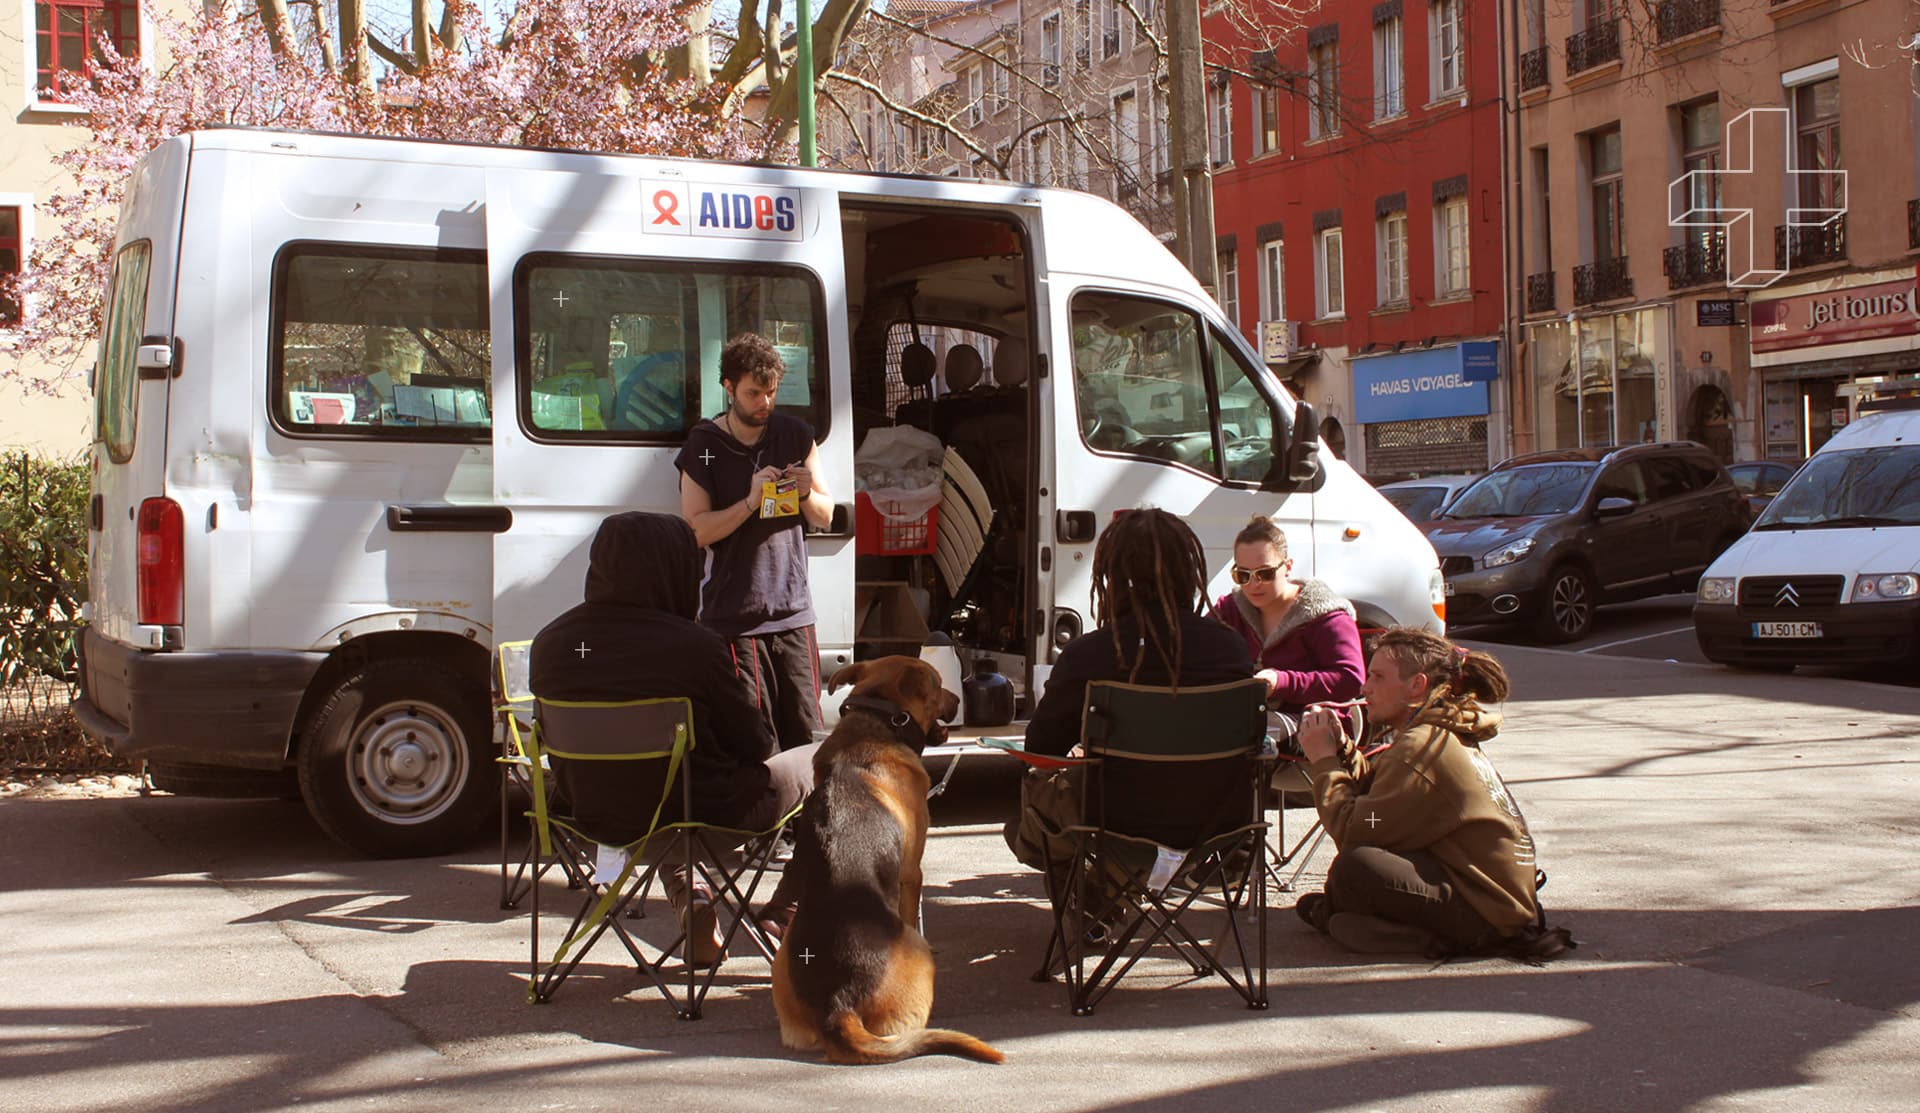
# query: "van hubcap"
{"type": "Point", "coordinates": [407, 763]}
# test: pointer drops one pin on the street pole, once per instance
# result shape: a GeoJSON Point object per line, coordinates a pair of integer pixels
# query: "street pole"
{"type": "Point", "coordinates": [803, 65]}
{"type": "Point", "coordinates": [1193, 203]}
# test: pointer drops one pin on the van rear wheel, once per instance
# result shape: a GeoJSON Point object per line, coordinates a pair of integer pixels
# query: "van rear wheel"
{"type": "Point", "coordinates": [396, 762]}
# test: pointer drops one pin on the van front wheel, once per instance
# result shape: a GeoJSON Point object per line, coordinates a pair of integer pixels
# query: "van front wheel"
{"type": "Point", "coordinates": [396, 760]}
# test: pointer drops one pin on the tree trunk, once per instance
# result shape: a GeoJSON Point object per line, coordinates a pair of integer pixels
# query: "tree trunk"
{"type": "Point", "coordinates": [694, 60]}
{"type": "Point", "coordinates": [273, 17]}
{"type": "Point", "coordinates": [450, 26]}
{"type": "Point", "coordinates": [353, 43]}
{"type": "Point", "coordinates": [830, 29]}
{"type": "Point", "coordinates": [422, 34]}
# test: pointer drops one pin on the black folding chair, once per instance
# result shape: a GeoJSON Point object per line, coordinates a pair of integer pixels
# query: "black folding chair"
{"type": "Point", "coordinates": [1171, 795]}
{"type": "Point", "coordinates": [513, 709]}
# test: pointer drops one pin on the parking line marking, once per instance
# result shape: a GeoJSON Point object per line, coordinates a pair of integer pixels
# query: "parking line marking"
{"type": "Point", "coordinates": [1630, 641]}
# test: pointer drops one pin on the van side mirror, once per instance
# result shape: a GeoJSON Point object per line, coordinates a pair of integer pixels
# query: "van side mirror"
{"type": "Point", "coordinates": [1301, 462]}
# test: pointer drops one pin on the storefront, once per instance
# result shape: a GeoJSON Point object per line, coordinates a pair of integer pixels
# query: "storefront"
{"type": "Point", "coordinates": [1602, 380]}
{"type": "Point", "coordinates": [1823, 348]}
{"type": "Point", "coordinates": [1425, 412]}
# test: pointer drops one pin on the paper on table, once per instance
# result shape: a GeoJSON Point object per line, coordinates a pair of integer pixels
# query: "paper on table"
{"type": "Point", "coordinates": [1166, 860]}
{"type": "Point", "coordinates": [1018, 748]}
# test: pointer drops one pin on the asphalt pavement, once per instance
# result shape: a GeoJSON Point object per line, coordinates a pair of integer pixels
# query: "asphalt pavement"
{"type": "Point", "coordinates": [1736, 852]}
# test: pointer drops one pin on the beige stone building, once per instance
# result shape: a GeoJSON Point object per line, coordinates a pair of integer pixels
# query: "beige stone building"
{"type": "Point", "coordinates": [39, 41]}
{"type": "Point", "coordinates": [1657, 153]}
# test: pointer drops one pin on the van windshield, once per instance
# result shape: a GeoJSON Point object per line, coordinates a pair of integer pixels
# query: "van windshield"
{"type": "Point", "coordinates": [1839, 490]}
{"type": "Point", "coordinates": [1524, 492]}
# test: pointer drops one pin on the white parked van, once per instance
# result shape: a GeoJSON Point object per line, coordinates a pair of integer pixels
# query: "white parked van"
{"type": "Point", "coordinates": [1830, 573]}
{"type": "Point", "coordinates": [362, 404]}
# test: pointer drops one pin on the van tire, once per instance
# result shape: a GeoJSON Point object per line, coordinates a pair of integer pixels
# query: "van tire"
{"type": "Point", "coordinates": [396, 762]}
{"type": "Point", "coordinates": [1566, 605]}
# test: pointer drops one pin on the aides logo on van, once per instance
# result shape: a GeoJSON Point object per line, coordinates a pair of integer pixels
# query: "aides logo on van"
{"type": "Point", "coordinates": [732, 212]}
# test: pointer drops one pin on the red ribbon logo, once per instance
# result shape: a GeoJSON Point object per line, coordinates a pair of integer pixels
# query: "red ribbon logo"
{"type": "Point", "coordinates": [666, 203]}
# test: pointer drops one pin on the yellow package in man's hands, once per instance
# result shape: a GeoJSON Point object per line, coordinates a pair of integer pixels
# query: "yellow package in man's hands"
{"type": "Point", "coordinates": [779, 498]}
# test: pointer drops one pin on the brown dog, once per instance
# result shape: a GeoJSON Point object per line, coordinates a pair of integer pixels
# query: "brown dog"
{"type": "Point", "coordinates": [854, 976]}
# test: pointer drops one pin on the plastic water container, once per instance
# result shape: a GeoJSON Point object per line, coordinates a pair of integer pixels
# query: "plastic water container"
{"type": "Point", "coordinates": [939, 653]}
{"type": "Point", "coordinates": [987, 696]}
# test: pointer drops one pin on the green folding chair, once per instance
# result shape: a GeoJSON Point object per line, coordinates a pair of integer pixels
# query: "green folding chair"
{"type": "Point", "coordinates": [639, 750]}
{"type": "Point", "coordinates": [513, 708]}
{"type": "Point", "coordinates": [1172, 831]}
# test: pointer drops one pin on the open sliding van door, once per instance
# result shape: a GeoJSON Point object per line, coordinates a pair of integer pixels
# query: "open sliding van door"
{"type": "Point", "coordinates": [614, 285]}
{"type": "Point", "coordinates": [1156, 403]}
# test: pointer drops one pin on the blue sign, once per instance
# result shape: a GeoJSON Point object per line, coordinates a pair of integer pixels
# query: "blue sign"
{"type": "Point", "coordinates": [1413, 386]}
{"type": "Point", "coordinates": [1480, 361]}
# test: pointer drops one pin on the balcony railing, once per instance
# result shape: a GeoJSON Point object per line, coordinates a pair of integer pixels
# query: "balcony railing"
{"type": "Point", "coordinates": [1698, 262]}
{"type": "Point", "coordinates": [1533, 69]}
{"type": "Point", "coordinates": [1604, 280]}
{"type": "Point", "coordinates": [1676, 19]}
{"type": "Point", "coordinates": [1913, 224]}
{"type": "Point", "coordinates": [1595, 46]}
{"type": "Point", "coordinates": [1540, 293]}
{"type": "Point", "coordinates": [1809, 246]}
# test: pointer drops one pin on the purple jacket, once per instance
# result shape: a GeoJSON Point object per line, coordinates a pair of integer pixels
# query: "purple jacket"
{"type": "Point", "coordinates": [1315, 648]}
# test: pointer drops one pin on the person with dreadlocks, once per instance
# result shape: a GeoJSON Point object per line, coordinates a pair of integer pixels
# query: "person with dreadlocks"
{"type": "Point", "coordinates": [1434, 856]}
{"type": "Point", "coordinates": [1150, 603]}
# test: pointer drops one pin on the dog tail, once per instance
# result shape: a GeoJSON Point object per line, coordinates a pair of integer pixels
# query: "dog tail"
{"type": "Point", "coordinates": [848, 1041]}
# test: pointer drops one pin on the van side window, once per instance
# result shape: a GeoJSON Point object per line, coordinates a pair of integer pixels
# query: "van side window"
{"type": "Point", "coordinates": [629, 349]}
{"type": "Point", "coordinates": [381, 342]}
{"type": "Point", "coordinates": [116, 381]}
{"type": "Point", "coordinates": [1246, 417]}
{"type": "Point", "coordinates": [1139, 380]}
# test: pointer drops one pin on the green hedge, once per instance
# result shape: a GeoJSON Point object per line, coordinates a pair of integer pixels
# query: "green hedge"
{"type": "Point", "coordinates": [43, 565]}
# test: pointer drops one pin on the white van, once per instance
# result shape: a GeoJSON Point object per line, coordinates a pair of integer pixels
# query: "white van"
{"type": "Point", "coordinates": [362, 404]}
{"type": "Point", "coordinates": [1830, 573]}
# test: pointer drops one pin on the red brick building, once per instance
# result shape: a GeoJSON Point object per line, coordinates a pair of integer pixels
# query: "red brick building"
{"type": "Point", "coordinates": [1357, 196]}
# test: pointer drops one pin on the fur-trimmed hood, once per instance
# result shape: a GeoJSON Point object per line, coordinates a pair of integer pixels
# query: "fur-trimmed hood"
{"type": "Point", "coordinates": [1316, 601]}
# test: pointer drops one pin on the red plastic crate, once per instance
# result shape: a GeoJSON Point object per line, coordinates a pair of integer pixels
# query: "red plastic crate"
{"type": "Point", "coordinates": [874, 534]}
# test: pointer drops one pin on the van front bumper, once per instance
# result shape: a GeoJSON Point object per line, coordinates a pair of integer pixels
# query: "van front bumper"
{"type": "Point", "coordinates": [231, 708]}
{"type": "Point", "coordinates": [1850, 634]}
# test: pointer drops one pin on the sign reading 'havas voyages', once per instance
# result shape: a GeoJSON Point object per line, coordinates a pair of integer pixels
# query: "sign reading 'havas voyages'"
{"type": "Point", "coordinates": [732, 212]}
{"type": "Point", "coordinates": [1414, 386]}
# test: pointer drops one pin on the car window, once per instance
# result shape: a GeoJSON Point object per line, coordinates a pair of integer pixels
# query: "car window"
{"type": "Point", "coordinates": [1770, 478]}
{"type": "Point", "coordinates": [1417, 503]}
{"type": "Point", "coordinates": [1705, 473]}
{"type": "Point", "coordinates": [1746, 477]}
{"type": "Point", "coordinates": [117, 380]}
{"type": "Point", "coordinates": [1524, 491]}
{"type": "Point", "coordinates": [1667, 478]}
{"type": "Point", "coordinates": [1623, 481]}
{"type": "Point", "coordinates": [1139, 380]}
{"type": "Point", "coordinates": [1246, 418]}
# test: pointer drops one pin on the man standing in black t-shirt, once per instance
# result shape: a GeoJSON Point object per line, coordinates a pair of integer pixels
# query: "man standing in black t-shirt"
{"type": "Point", "coordinates": [754, 592]}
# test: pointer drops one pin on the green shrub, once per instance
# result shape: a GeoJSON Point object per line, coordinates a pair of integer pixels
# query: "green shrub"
{"type": "Point", "coordinates": [43, 565]}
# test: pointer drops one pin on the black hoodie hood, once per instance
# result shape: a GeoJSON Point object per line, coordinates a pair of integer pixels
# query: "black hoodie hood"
{"type": "Point", "coordinates": [645, 560]}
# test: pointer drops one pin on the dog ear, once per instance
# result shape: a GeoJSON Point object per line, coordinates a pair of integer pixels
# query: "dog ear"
{"type": "Point", "coordinates": [847, 674]}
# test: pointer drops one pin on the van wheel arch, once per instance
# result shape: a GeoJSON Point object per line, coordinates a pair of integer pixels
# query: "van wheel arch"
{"type": "Point", "coordinates": [426, 695]}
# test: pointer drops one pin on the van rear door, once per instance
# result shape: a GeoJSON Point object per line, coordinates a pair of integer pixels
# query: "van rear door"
{"type": "Point", "coordinates": [135, 559]}
{"type": "Point", "coordinates": [611, 296]}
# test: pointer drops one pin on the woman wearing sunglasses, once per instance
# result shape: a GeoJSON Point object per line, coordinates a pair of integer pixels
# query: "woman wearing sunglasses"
{"type": "Point", "coordinates": [1302, 635]}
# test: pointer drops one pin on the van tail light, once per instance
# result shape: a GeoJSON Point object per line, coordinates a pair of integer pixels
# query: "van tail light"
{"type": "Point", "coordinates": [162, 571]}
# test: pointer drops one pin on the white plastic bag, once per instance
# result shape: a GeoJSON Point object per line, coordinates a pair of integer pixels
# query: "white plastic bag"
{"type": "Point", "coordinates": [899, 469]}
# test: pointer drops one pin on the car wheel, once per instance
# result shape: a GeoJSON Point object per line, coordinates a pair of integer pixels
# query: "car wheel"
{"type": "Point", "coordinates": [397, 759]}
{"type": "Point", "coordinates": [1566, 607]}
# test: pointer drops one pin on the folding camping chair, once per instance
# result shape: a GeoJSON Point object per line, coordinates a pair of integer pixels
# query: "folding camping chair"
{"type": "Point", "coordinates": [513, 706]}
{"type": "Point", "coordinates": [1301, 853]}
{"type": "Point", "coordinates": [639, 750]}
{"type": "Point", "coordinates": [1171, 792]}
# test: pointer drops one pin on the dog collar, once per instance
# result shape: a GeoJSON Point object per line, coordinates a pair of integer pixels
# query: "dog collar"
{"type": "Point", "coordinates": [898, 720]}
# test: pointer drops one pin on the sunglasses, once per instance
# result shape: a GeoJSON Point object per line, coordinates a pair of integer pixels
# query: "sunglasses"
{"type": "Point", "coordinates": [1265, 575]}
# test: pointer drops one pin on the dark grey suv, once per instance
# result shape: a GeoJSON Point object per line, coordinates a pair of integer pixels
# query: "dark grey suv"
{"type": "Point", "coordinates": [1544, 538]}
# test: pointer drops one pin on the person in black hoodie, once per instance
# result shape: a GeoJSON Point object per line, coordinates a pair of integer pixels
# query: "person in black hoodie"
{"type": "Point", "coordinates": [1149, 597]}
{"type": "Point", "coordinates": [635, 637]}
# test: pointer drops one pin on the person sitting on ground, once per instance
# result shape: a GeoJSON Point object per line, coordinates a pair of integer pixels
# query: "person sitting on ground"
{"type": "Point", "coordinates": [1301, 632]}
{"type": "Point", "coordinates": [1434, 856]}
{"type": "Point", "coordinates": [635, 638]}
{"type": "Point", "coordinates": [1149, 598]}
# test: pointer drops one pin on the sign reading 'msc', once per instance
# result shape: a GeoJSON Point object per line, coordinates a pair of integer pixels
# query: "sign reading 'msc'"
{"type": "Point", "coordinates": [727, 211]}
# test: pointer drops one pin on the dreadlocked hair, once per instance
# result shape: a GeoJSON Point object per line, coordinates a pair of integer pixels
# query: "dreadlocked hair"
{"type": "Point", "coordinates": [1467, 674]}
{"type": "Point", "coordinates": [1148, 564]}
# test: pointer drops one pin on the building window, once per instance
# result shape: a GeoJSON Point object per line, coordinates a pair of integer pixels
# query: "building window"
{"type": "Point", "coordinates": [1083, 17]}
{"type": "Point", "coordinates": [1126, 143]}
{"type": "Point", "coordinates": [67, 37]}
{"type": "Point", "coordinates": [1229, 287]}
{"type": "Point", "coordinates": [1389, 74]}
{"type": "Point", "coordinates": [1453, 274]}
{"type": "Point", "coordinates": [1609, 198]}
{"type": "Point", "coordinates": [1700, 151]}
{"type": "Point", "coordinates": [1220, 123]}
{"type": "Point", "coordinates": [1161, 149]}
{"type": "Point", "coordinates": [1041, 161]}
{"type": "Point", "coordinates": [1329, 286]}
{"type": "Point", "coordinates": [13, 253]}
{"type": "Point", "coordinates": [976, 93]}
{"type": "Point", "coordinates": [1449, 50]}
{"type": "Point", "coordinates": [1110, 16]}
{"type": "Point", "coordinates": [1323, 90]}
{"type": "Point", "coordinates": [1266, 119]}
{"type": "Point", "coordinates": [1390, 234]}
{"type": "Point", "coordinates": [1050, 49]}
{"type": "Point", "coordinates": [1816, 116]}
{"type": "Point", "coordinates": [1002, 69]}
{"type": "Point", "coordinates": [1273, 281]}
